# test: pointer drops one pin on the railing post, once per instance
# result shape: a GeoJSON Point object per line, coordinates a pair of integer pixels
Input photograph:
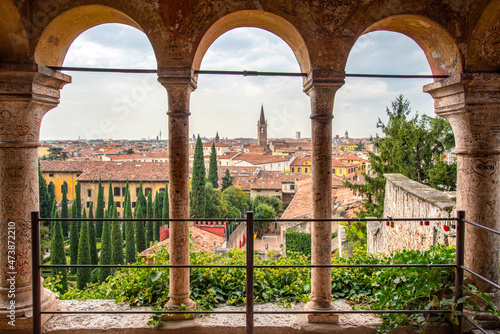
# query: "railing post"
{"type": "Point", "coordinates": [35, 259]}
{"type": "Point", "coordinates": [250, 273]}
{"type": "Point", "coordinates": [459, 273]}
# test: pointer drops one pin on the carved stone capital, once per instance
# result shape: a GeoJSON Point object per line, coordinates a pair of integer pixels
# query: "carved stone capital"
{"type": "Point", "coordinates": [179, 82]}
{"type": "Point", "coordinates": [471, 103]}
{"type": "Point", "coordinates": [324, 78]}
{"type": "Point", "coordinates": [27, 93]}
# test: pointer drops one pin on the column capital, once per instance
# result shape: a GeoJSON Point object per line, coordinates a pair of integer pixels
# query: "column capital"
{"type": "Point", "coordinates": [177, 76]}
{"type": "Point", "coordinates": [27, 93]}
{"type": "Point", "coordinates": [324, 78]}
{"type": "Point", "coordinates": [471, 103]}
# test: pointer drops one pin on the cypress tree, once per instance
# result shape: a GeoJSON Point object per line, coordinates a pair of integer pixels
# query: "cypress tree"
{"type": "Point", "coordinates": [116, 239]}
{"type": "Point", "coordinates": [142, 201]}
{"type": "Point", "coordinates": [83, 274]}
{"type": "Point", "coordinates": [51, 189]}
{"type": "Point", "coordinates": [140, 237]}
{"type": "Point", "coordinates": [129, 230]}
{"type": "Point", "coordinates": [213, 177]}
{"type": "Point", "coordinates": [92, 241]}
{"type": "Point", "coordinates": [105, 257]}
{"type": "Point", "coordinates": [197, 196]}
{"type": "Point", "coordinates": [125, 199]}
{"type": "Point", "coordinates": [165, 211]}
{"type": "Point", "coordinates": [99, 210]}
{"type": "Point", "coordinates": [45, 204]}
{"type": "Point", "coordinates": [111, 200]}
{"type": "Point", "coordinates": [78, 199]}
{"type": "Point", "coordinates": [157, 214]}
{"type": "Point", "coordinates": [73, 239]}
{"type": "Point", "coordinates": [57, 254]}
{"type": "Point", "coordinates": [149, 223]}
{"type": "Point", "coordinates": [227, 180]}
{"type": "Point", "coordinates": [53, 213]}
{"type": "Point", "coordinates": [64, 209]}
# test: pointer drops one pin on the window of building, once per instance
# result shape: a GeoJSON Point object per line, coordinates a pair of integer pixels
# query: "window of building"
{"type": "Point", "coordinates": [292, 186]}
{"type": "Point", "coordinates": [89, 193]}
{"type": "Point", "coordinates": [137, 190]}
{"type": "Point", "coordinates": [299, 170]}
{"type": "Point", "coordinates": [147, 191]}
{"type": "Point", "coordinates": [88, 204]}
{"type": "Point", "coordinates": [117, 191]}
{"type": "Point", "coordinates": [133, 204]}
{"type": "Point", "coordinates": [118, 204]}
{"type": "Point", "coordinates": [293, 169]}
{"type": "Point", "coordinates": [334, 171]}
{"type": "Point", "coordinates": [340, 170]}
{"type": "Point", "coordinates": [51, 174]}
{"type": "Point", "coordinates": [124, 190]}
{"type": "Point", "coordinates": [162, 189]}
{"type": "Point", "coordinates": [306, 170]}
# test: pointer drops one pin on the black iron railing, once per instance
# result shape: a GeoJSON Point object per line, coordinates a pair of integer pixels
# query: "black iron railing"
{"type": "Point", "coordinates": [250, 312]}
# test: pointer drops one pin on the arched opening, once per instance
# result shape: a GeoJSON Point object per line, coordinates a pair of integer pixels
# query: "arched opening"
{"type": "Point", "coordinates": [109, 105]}
{"type": "Point", "coordinates": [380, 52]}
{"type": "Point", "coordinates": [258, 19]}
{"type": "Point", "coordinates": [439, 47]}
{"type": "Point", "coordinates": [13, 37]}
{"type": "Point", "coordinates": [231, 104]}
{"type": "Point", "coordinates": [60, 33]}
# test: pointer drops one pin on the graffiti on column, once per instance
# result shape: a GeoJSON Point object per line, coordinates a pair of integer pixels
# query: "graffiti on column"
{"type": "Point", "coordinates": [484, 168]}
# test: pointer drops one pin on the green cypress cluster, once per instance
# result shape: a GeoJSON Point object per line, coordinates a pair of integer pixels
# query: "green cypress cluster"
{"type": "Point", "coordinates": [129, 230]}
{"type": "Point", "coordinates": [149, 223]}
{"type": "Point", "coordinates": [106, 249]}
{"type": "Point", "coordinates": [116, 239]}
{"type": "Point", "coordinates": [64, 209]}
{"type": "Point", "coordinates": [140, 237]}
{"type": "Point", "coordinates": [73, 239]}
{"type": "Point", "coordinates": [99, 210]}
{"type": "Point", "coordinates": [92, 241]}
{"type": "Point", "coordinates": [57, 254]}
{"type": "Point", "coordinates": [213, 176]}
{"type": "Point", "coordinates": [83, 274]}
{"type": "Point", "coordinates": [197, 197]}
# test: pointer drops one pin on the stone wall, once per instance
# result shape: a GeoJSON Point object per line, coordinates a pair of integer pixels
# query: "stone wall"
{"type": "Point", "coordinates": [408, 198]}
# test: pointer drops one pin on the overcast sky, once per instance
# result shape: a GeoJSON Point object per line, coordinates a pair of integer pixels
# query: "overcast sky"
{"type": "Point", "coordinates": [134, 106]}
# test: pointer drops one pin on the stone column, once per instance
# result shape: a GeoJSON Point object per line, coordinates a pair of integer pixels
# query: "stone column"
{"type": "Point", "coordinates": [471, 103]}
{"type": "Point", "coordinates": [321, 88]}
{"type": "Point", "coordinates": [27, 92]}
{"type": "Point", "coordinates": [179, 83]}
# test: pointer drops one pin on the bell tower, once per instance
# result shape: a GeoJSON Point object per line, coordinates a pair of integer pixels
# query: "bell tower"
{"type": "Point", "coordinates": [262, 129]}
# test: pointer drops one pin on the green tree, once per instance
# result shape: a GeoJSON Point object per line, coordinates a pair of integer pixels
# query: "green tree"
{"type": "Point", "coordinates": [73, 239]}
{"type": "Point", "coordinates": [359, 147]}
{"type": "Point", "coordinates": [106, 249]}
{"type": "Point", "coordinates": [158, 205]}
{"type": "Point", "coordinates": [238, 202]}
{"type": "Point", "coordinates": [111, 200]}
{"type": "Point", "coordinates": [412, 146]}
{"type": "Point", "coordinates": [64, 209]}
{"type": "Point", "coordinates": [99, 210]}
{"type": "Point", "coordinates": [129, 230]}
{"type": "Point", "coordinates": [166, 205]}
{"type": "Point", "coordinates": [264, 211]}
{"type": "Point", "coordinates": [213, 177]}
{"type": "Point", "coordinates": [51, 189]}
{"type": "Point", "coordinates": [217, 206]}
{"type": "Point", "coordinates": [142, 201]}
{"type": "Point", "coordinates": [149, 223]}
{"type": "Point", "coordinates": [45, 204]}
{"type": "Point", "coordinates": [197, 199]}
{"type": "Point", "coordinates": [227, 180]}
{"type": "Point", "coordinates": [116, 239]}
{"type": "Point", "coordinates": [274, 202]}
{"type": "Point", "coordinates": [92, 241]}
{"type": "Point", "coordinates": [78, 199]}
{"type": "Point", "coordinates": [83, 274]}
{"type": "Point", "coordinates": [57, 254]}
{"type": "Point", "coordinates": [53, 213]}
{"type": "Point", "coordinates": [140, 235]}
{"type": "Point", "coordinates": [57, 153]}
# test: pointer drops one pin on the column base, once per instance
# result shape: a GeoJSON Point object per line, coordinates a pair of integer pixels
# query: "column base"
{"type": "Point", "coordinates": [325, 318]}
{"type": "Point", "coordinates": [187, 305]}
{"type": "Point", "coordinates": [20, 320]}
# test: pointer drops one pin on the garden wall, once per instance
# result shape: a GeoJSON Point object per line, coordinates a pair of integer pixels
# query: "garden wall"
{"type": "Point", "coordinates": [408, 198]}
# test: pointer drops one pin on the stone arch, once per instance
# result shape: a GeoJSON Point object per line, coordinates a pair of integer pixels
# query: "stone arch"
{"type": "Point", "coordinates": [60, 33]}
{"type": "Point", "coordinates": [483, 46]}
{"type": "Point", "coordinates": [14, 44]}
{"type": "Point", "coordinates": [256, 19]}
{"type": "Point", "coordinates": [439, 47]}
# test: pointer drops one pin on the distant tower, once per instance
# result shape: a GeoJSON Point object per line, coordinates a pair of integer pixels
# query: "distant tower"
{"type": "Point", "coordinates": [262, 129]}
{"type": "Point", "coordinates": [346, 134]}
{"type": "Point", "coordinates": [297, 135]}
{"type": "Point", "coordinates": [217, 139]}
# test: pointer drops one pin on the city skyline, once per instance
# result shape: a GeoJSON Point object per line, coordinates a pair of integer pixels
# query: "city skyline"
{"type": "Point", "coordinates": [133, 106]}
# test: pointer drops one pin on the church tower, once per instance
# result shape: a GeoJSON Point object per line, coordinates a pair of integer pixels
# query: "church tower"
{"type": "Point", "coordinates": [262, 129]}
{"type": "Point", "coordinates": [217, 139]}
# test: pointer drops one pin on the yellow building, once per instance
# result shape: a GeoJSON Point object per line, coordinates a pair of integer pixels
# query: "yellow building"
{"type": "Point", "coordinates": [354, 159]}
{"type": "Point", "coordinates": [301, 165]}
{"type": "Point", "coordinates": [43, 149]}
{"type": "Point", "coordinates": [345, 169]}
{"type": "Point", "coordinates": [347, 147]}
{"type": "Point", "coordinates": [153, 175]}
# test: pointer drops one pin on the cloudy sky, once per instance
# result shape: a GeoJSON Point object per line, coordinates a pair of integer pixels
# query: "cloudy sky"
{"type": "Point", "coordinates": [134, 106]}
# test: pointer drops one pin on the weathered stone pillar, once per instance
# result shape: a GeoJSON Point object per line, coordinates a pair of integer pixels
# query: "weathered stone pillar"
{"type": "Point", "coordinates": [179, 82]}
{"type": "Point", "coordinates": [27, 92]}
{"type": "Point", "coordinates": [321, 87]}
{"type": "Point", "coordinates": [471, 103]}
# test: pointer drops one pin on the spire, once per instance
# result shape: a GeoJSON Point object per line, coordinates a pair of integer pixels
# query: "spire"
{"type": "Point", "coordinates": [217, 139]}
{"type": "Point", "coordinates": [262, 118]}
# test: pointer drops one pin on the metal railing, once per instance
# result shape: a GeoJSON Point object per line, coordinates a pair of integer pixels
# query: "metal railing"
{"type": "Point", "coordinates": [250, 266]}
